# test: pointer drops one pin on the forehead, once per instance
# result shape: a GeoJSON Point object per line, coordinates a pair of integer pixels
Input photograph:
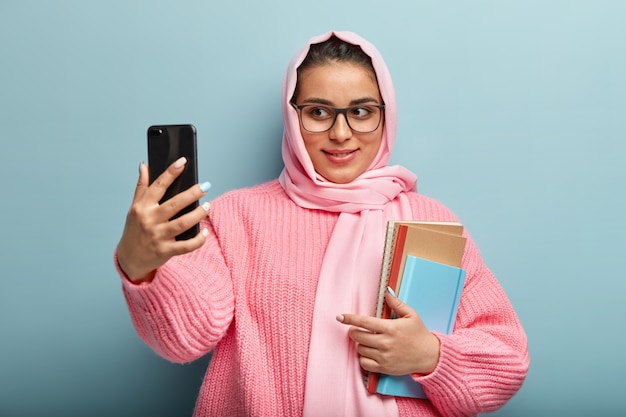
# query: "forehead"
{"type": "Point", "coordinates": [337, 81]}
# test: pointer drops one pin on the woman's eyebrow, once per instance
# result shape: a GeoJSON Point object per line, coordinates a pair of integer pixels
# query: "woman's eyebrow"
{"type": "Point", "coordinates": [318, 100]}
{"type": "Point", "coordinates": [355, 102]}
{"type": "Point", "coordinates": [363, 101]}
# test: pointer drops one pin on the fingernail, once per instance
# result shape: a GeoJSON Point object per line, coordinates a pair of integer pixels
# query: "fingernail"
{"type": "Point", "coordinates": [205, 186]}
{"type": "Point", "coordinates": [392, 292]}
{"type": "Point", "coordinates": [340, 318]}
{"type": "Point", "coordinates": [206, 206]}
{"type": "Point", "coordinates": [205, 232]}
{"type": "Point", "coordinates": [140, 165]}
{"type": "Point", "coordinates": [180, 162]}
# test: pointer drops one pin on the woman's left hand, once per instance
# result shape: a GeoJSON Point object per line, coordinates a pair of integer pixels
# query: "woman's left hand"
{"type": "Point", "coordinates": [395, 347]}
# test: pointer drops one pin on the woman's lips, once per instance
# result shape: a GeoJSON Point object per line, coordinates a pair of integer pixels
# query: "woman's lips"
{"type": "Point", "coordinates": [340, 156]}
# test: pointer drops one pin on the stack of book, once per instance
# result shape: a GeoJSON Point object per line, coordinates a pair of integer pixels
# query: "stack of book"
{"type": "Point", "coordinates": [422, 264]}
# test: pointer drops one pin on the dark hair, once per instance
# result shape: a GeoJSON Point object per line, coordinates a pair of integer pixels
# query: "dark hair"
{"type": "Point", "coordinates": [334, 50]}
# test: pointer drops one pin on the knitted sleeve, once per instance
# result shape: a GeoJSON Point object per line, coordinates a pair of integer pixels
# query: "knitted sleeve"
{"type": "Point", "coordinates": [188, 306]}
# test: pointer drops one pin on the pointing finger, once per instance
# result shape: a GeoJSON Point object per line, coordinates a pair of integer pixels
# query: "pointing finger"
{"type": "Point", "coordinates": [372, 324]}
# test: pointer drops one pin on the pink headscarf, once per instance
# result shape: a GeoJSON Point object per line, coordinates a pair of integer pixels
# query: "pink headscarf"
{"type": "Point", "coordinates": [348, 281]}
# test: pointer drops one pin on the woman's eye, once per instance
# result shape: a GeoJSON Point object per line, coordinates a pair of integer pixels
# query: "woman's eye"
{"type": "Point", "coordinates": [360, 112]}
{"type": "Point", "coordinates": [320, 112]}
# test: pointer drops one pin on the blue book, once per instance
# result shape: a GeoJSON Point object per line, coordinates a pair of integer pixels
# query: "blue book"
{"type": "Point", "coordinates": [433, 290]}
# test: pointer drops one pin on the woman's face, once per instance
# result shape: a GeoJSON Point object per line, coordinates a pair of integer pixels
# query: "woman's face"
{"type": "Point", "coordinates": [340, 154]}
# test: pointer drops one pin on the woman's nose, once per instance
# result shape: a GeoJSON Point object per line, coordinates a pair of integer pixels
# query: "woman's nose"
{"type": "Point", "coordinates": [341, 130]}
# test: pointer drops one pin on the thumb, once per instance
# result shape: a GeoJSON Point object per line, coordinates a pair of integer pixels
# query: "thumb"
{"type": "Point", "coordinates": [397, 306]}
{"type": "Point", "coordinates": [142, 182]}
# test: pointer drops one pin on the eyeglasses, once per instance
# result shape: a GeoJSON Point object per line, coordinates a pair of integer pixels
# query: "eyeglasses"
{"type": "Point", "coordinates": [316, 118]}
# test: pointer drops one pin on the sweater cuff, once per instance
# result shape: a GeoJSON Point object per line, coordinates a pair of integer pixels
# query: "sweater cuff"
{"type": "Point", "coordinates": [446, 381]}
{"type": "Point", "coordinates": [440, 371]}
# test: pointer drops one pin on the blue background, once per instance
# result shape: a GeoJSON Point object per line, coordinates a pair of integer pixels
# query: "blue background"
{"type": "Point", "coordinates": [511, 112]}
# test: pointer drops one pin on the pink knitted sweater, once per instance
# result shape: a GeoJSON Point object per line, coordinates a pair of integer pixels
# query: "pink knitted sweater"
{"type": "Point", "coordinates": [248, 295]}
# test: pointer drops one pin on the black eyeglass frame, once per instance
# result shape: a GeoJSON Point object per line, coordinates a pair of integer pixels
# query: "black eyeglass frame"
{"type": "Point", "coordinates": [338, 111]}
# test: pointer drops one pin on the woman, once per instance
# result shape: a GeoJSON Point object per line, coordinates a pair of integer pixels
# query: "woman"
{"type": "Point", "coordinates": [281, 281]}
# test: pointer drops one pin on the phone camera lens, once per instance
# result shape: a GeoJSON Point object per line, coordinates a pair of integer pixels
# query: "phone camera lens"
{"type": "Point", "coordinates": [156, 132]}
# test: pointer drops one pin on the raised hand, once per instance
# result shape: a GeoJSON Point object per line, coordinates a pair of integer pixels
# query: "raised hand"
{"type": "Point", "coordinates": [149, 237]}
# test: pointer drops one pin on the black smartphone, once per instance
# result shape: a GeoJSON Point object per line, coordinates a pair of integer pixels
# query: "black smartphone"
{"type": "Point", "coordinates": [167, 143]}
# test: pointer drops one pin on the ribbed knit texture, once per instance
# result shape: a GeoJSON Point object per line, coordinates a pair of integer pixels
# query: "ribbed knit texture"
{"type": "Point", "coordinates": [249, 293]}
